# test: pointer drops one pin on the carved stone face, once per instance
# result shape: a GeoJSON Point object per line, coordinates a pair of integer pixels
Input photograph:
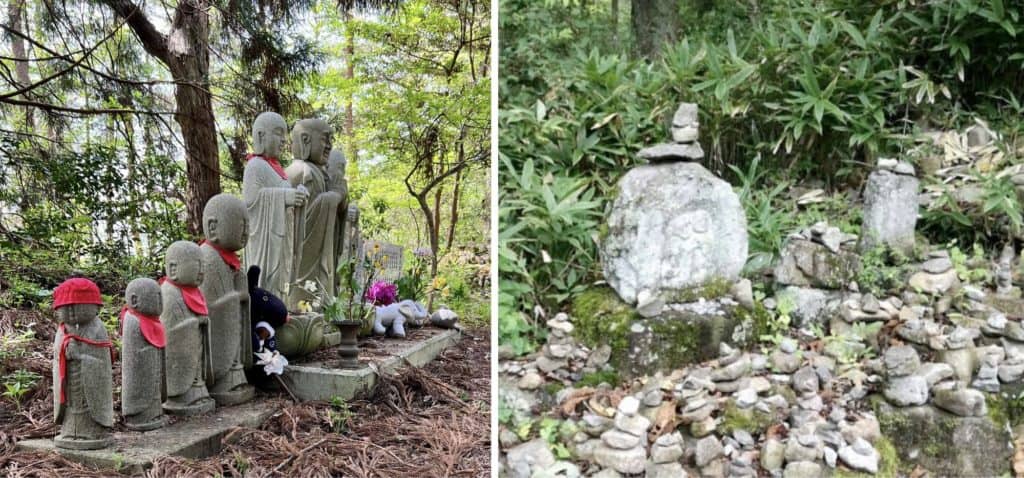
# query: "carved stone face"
{"type": "Point", "coordinates": [183, 263]}
{"type": "Point", "coordinates": [328, 143]}
{"type": "Point", "coordinates": [336, 163]}
{"type": "Point", "coordinates": [77, 314]}
{"type": "Point", "coordinates": [309, 137]}
{"type": "Point", "coordinates": [268, 133]}
{"type": "Point", "coordinates": [225, 222]}
{"type": "Point", "coordinates": [143, 295]}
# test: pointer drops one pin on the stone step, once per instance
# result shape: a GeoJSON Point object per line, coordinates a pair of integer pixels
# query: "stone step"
{"type": "Point", "coordinates": [313, 381]}
{"type": "Point", "coordinates": [192, 437]}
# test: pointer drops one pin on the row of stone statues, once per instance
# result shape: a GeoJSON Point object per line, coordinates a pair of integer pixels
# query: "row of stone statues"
{"type": "Point", "coordinates": [300, 216]}
{"type": "Point", "coordinates": [186, 341]}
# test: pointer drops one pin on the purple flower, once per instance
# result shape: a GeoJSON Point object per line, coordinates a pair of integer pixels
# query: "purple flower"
{"type": "Point", "coordinates": [382, 293]}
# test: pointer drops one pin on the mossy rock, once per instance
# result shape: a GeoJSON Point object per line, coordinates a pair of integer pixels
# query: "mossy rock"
{"type": "Point", "coordinates": [643, 346]}
{"type": "Point", "coordinates": [943, 443]}
{"type": "Point", "coordinates": [889, 464]}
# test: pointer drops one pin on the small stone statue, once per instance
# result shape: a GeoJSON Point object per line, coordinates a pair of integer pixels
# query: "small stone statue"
{"type": "Point", "coordinates": [309, 169]}
{"type": "Point", "coordinates": [444, 318]}
{"type": "Point", "coordinates": [271, 202]}
{"type": "Point", "coordinates": [1004, 272]}
{"type": "Point", "coordinates": [83, 402]}
{"type": "Point", "coordinates": [185, 316]}
{"type": "Point", "coordinates": [226, 290]}
{"type": "Point", "coordinates": [336, 182]}
{"type": "Point", "coordinates": [142, 355]}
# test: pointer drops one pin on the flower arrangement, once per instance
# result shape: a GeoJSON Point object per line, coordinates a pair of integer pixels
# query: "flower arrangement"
{"type": "Point", "coordinates": [381, 293]}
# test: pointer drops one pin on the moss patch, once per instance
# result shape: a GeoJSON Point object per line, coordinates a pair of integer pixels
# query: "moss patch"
{"type": "Point", "coordinates": [889, 464]}
{"type": "Point", "coordinates": [602, 318]}
{"type": "Point", "coordinates": [594, 379]}
{"type": "Point", "coordinates": [713, 289]}
{"type": "Point", "coordinates": [760, 319]}
{"type": "Point", "coordinates": [734, 418]}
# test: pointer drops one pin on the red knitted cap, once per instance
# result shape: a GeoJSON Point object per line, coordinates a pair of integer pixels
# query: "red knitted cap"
{"type": "Point", "coordinates": [76, 291]}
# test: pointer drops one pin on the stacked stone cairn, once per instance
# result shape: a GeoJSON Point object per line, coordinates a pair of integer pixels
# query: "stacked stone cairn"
{"type": "Point", "coordinates": [624, 446]}
{"type": "Point", "coordinates": [816, 264]}
{"type": "Point", "coordinates": [561, 358]}
{"type": "Point", "coordinates": [890, 206]}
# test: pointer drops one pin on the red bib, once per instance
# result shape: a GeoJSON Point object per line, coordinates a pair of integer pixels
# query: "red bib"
{"type": "Point", "coordinates": [229, 257]}
{"type": "Point", "coordinates": [63, 360]}
{"type": "Point", "coordinates": [193, 297]}
{"type": "Point", "coordinates": [150, 325]}
{"type": "Point", "coordinates": [272, 162]}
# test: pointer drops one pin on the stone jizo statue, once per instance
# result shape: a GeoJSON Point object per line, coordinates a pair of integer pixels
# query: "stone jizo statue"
{"type": "Point", "coordinates": [83, 402]}
{"type": "Point", "coordinates": [336, 182]}
{"type": "Point", "coordinates": [226, 289]}
{"type": "Point", "coordinates": [1004, 272]}
{"type": "Point", "coordinates": [271, 202]}
{"type": "Point", "coordinates": [142, 355]}
{"type": "Point", "coordinates": [185, 316]}
{"type": "Point", "coordinates": [317, 263]}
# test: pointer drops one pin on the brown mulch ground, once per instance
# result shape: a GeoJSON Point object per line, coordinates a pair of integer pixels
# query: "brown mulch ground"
{"type": "Point", "coordinates": [429, 422]}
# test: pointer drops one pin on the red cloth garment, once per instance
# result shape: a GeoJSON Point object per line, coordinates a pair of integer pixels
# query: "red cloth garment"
{"type": "Point", "coordinates": [150, 325]}
{"type": "Point", "coordinates": [193, 297]}
{"type": "Point", "coordinates": [229, 257]}
{"type": "Point", "coordinates": [78, 290]}
{"type": "Point", "coordinates": [63, 360]}
{"type": "Point", "coordinates": [273, 162]}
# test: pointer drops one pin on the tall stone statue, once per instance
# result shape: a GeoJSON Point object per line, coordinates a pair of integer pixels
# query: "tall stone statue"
{"type": "Point", "coordinates": [142, 356]}
{"type": "Point", "coordinates": [309, 169]}
{"type": "Point", "coordinates": [272, 203]}
{"type": "Point", "coordinates": [83, 402]}
{"type": "Point", "coordinates": [226, 289]}
{"type": "Point", "coordinates": [185, 316]}
{"type": "Point", "coordinates": [336, 182]}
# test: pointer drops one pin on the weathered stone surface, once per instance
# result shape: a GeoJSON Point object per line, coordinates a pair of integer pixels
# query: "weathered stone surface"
{"type": "Point", "coordinates": [965, 402]}
{"type": "Point", "coordinates": [673, 227]}
{"type": "Point", "coordinates": [945, 444]}
{"type": "Point", "coordinates": [530, 457]}
{"type": "Point", "coordinates": [890, 211]}
{"type": "Point", "coordinates": [934, 283]}
{"type": "Point", "coordinates": [810, 264]}
{"type": "Point", "coordinates": [672, 152]}
{"type": "Point", "coordinates": [907, 391]}
{"type": "Point", "coordinates": [860, 456]}
{"type": "Point", "coordinates": [623, 461]}
{"type": "Point", "coordinates": [141, 360]}
{"type": "Point", "coordinates": [673, 339]}
{"type": "Point", "coordinates": [810, 305]}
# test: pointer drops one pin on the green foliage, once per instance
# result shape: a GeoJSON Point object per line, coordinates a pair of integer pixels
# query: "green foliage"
{"type": "Point", "coordinates": [17, 384]}
{"type": "Point", "coordinates": [970, 268]}
{"type": "Point", "coordinates": [996, 213]}
{"type": "Point", "coordinates": [339, 414]}
{"type": "Point", "coordinates": [14, 345]}
{"type": "Point", "coordinates": [413, 283]}
{"type": "Point", "coordinates": [776, 325]}
{"type": "Point", "coordinates": [593, 379]}
{"type": "Point", "coordinates": [880, 270]}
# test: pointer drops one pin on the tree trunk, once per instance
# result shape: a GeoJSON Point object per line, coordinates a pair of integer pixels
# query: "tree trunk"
{"type": "Point", "coordinates": [656, 23]}
{"type": "Point", "coordinates": [455, 211]}
{"type": "Point", "coordinates": [350, 117]}
{"type": "Point", "coordinates": [186, 54]}
{"type": "Point", "coordinates": [615, 19]}
{"type": "Point", "coordinates": [16, 20]}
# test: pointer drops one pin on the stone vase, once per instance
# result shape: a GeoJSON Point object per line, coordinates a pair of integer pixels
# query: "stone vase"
{"type": "Point", "coordinates": [348, 349]}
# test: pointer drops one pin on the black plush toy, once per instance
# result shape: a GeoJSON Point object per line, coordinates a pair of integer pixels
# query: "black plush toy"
{"type": "Point", "coordinates": [266, 313]}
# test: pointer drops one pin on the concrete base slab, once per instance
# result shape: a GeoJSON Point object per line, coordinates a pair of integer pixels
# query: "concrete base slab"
{"type": "Point", "coordinates": [313, 381]}
{"type": "Point", "coordinates": [194, 437]}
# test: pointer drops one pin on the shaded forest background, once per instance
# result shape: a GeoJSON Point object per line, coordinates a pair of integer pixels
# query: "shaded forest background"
{"type": "Point", "coordinates": [795, 96]}
{"type": "Point", "coordinates": [120, 119]}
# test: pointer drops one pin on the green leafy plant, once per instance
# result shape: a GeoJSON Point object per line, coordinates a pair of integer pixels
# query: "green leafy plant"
{"type": "Point", "coordinates": [339, 415]}
{"type": "Point", "coordinates": [17, 384]}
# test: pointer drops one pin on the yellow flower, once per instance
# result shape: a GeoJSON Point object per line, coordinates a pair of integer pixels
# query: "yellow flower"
{"type": "Point", "coordinates": [304, 306]}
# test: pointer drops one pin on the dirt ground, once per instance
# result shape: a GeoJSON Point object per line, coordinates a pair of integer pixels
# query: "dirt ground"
{"type": "Point", "coordinates": [429, 422]}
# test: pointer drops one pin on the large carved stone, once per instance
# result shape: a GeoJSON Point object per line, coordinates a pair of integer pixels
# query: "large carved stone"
{"type": "Point", "coordinates": [226, 290]}
{"type": "Point", "coordinates": [142, 355]}
{"type": "Point", "coordinates": [271, 202]}
{"type": "Point", "coordinates": [83, 402]}
{"type": "Point", "coordinates": [674, 226]}
{"type": "Point", "coordinates": [317, 262]}
{"type": "Point", "coordinates": [185, 316]}
{"type": "Point", "coordinates": [890, 207]}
